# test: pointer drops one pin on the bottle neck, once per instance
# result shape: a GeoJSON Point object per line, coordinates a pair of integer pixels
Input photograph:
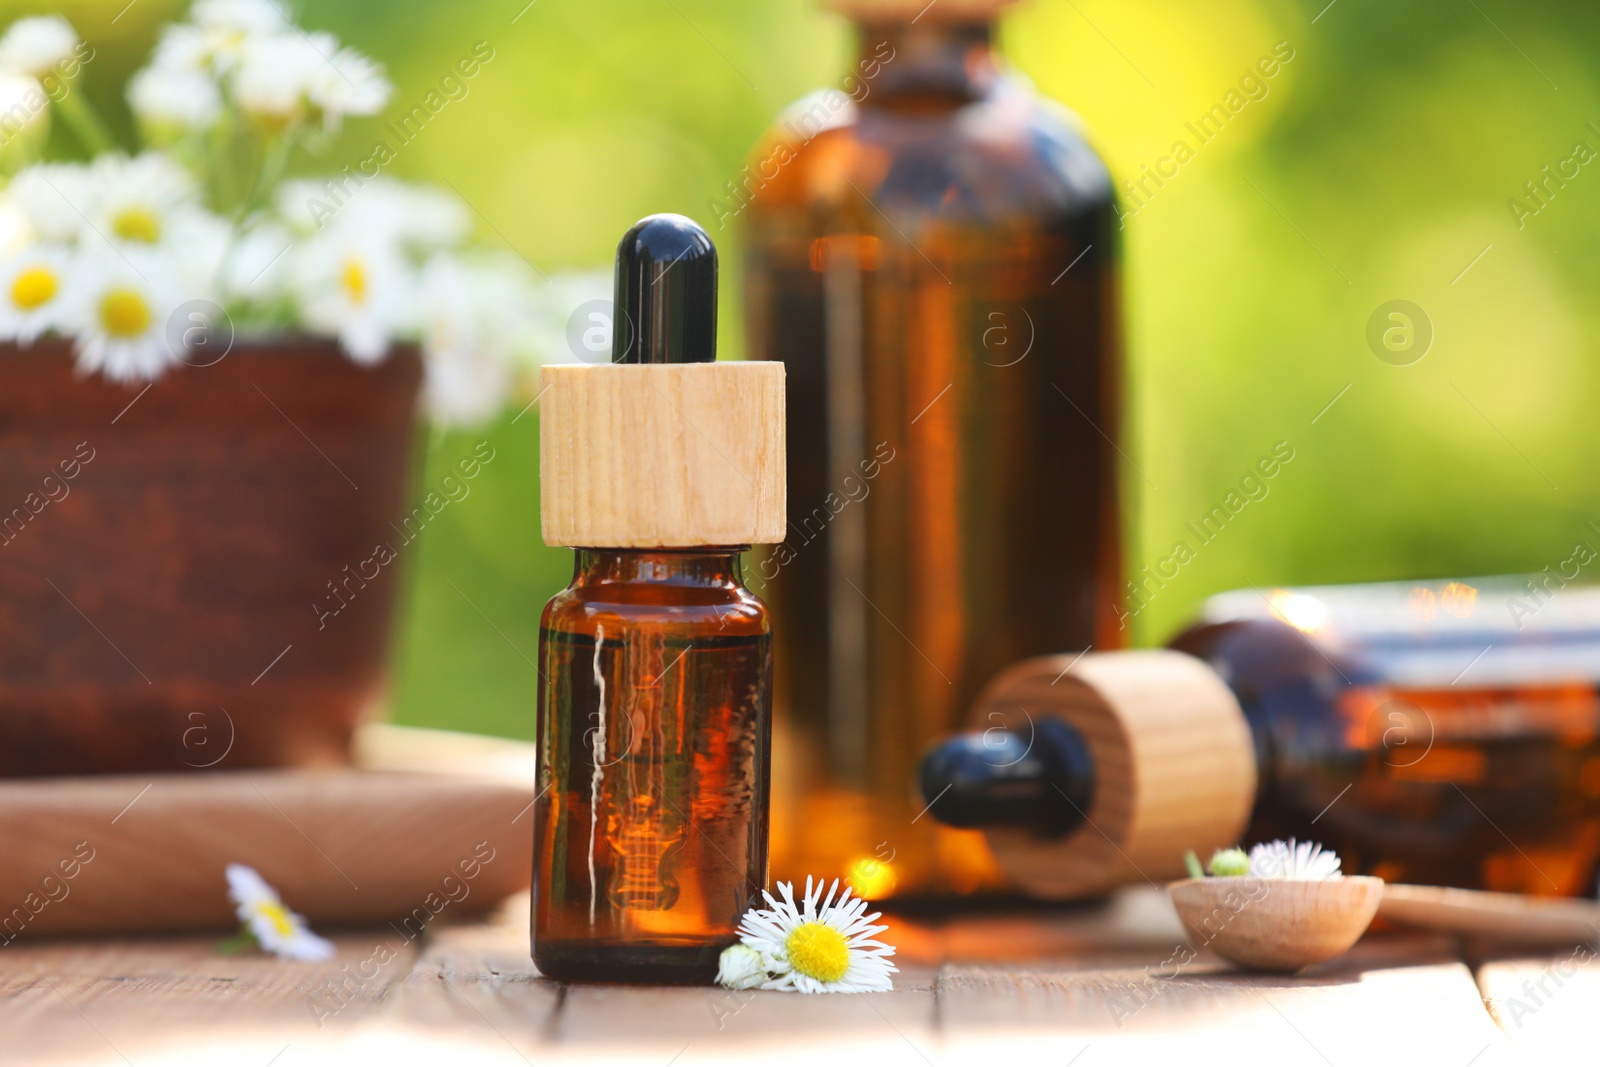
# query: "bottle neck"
{"type": "Point", "coordinates": [928, 63]}
{"type": "Point", "coordinates": [711, 567]}
{"type": "Point", "coordinates": [1042, 780]}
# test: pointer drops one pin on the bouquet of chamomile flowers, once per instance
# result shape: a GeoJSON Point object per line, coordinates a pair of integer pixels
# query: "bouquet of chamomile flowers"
{"type": "Point", "coordinates": [112, 251]}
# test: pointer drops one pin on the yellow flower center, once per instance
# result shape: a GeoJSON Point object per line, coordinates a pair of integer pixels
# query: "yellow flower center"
{"type": "Point", "coordinates": [137, 224]}
{"type": "Point", "coordinates": [278, 916]}
{"type": "Point", "coordinates": [819, 951]}
{"type": "Point", "coordinates": [34, 287]}
{"type": "Point", "coordinates": [354, 280]}
{"type": "Point", "coordinates": [124, 313]}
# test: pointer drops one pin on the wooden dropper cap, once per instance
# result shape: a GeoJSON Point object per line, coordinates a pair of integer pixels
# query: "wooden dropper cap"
{"type": "Point", "coordinates": [1126, 760]}
{"type": "Point", "coordinates": [663, 447]}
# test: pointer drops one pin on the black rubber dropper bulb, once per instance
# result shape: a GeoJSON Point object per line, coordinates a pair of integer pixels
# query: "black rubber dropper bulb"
{"type": "Point", "coordinates": [1040, 778]}
{"type": "Point", "coordinates": [666, 295]}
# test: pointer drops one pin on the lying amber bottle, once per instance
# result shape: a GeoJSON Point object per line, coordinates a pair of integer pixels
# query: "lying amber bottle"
{"type": "Point", "coordinates": [650, 826]}
{"type": "Point", "coordinates": [1443, 733]}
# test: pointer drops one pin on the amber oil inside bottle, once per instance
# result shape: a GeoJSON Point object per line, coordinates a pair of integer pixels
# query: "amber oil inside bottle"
{"type": "Point", "coordinates": [650, 832]}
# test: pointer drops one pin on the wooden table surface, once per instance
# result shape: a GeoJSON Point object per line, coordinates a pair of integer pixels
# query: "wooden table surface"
{"type": "Point", "coordinates": [1087, 986]}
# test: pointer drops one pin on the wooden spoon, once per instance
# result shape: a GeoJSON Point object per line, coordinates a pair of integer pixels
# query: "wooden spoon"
{"type": "Point", "coordinates": [1543, 920]}
{"type": "Point", "coordinates": [1276, 924]}
{"type": "Point", "coordinates": [1285, 925]}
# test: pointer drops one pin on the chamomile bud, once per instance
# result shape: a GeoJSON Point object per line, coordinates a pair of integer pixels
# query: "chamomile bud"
{"type": "Point", "coordinates": [741, 967]}
{"type": "Point", "coordinates": [1229, 863]}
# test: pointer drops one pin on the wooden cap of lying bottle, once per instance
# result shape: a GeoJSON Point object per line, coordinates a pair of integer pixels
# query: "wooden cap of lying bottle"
{"type": "Point", "coordinates": [663, 447]}
{"type": "Point", "coordinates": [1163, 762]}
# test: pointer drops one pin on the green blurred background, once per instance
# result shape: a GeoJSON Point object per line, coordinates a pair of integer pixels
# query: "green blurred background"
{"type": "Point", "coordinates": [1381, 165]}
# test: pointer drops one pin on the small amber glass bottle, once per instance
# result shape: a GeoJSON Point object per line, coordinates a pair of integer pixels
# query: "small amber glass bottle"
{"type": "Point", "coordinates": [653, 831]}
{"type": "Point", "coordinates": [650, 828]}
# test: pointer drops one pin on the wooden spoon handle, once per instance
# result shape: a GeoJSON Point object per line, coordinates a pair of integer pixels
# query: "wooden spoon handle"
{"type": "Point", "coordinates": [1508, 915]}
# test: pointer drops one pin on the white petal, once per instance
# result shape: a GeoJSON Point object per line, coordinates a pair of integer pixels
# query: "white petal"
{"type": "Point", "coordinates": [180, 97]}
{"type": "Point", "coordinates": [34, 46]}
{"type": "Point", "coordinates": [242, 16]}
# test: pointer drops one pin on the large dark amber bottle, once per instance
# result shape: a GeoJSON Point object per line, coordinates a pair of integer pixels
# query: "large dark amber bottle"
{"type": "Point", "coordinates": [931, 250]}
{"type": "Point", "coordinates": [650, 825]}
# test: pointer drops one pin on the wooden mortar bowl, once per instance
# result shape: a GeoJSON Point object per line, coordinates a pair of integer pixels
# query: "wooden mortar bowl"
{"type": "Point", "coordinates": [1276, 924]}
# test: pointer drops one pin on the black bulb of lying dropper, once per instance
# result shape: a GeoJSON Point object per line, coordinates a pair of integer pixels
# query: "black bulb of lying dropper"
{"type": "Point", "coordinates": [666, 293]}
{"type": "Point", "coordinates": [1040, 778]}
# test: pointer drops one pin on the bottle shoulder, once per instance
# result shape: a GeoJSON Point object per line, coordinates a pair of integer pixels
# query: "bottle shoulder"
{"type": "Point", "coordinates": [1008, 152]}
{"type": "Point", "coordinates": [671, 610]}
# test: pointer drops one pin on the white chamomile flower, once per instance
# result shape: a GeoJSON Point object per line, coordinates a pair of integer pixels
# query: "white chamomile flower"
{"type": "Point", "coordinates": [35, 46]}
{"type": "Point", "coordinates": [199, 242]}
{"type": "Point", "coordinates": [15, 231]}
{"type": "Point", "coordinates": [175, 99]}
{"type": "Point", "coordinates": [741, 967]}
{"type": "Point", "coordinates": [33, 284]}
{"type": "Point", "coordinates": [119, 313]}
{"type": "Point", "coordinates": [468, 369]}
{"type": "Point", "coordinates": [819, 945]}
{"type": "Point", "coordinates": [306, 206]}
{"type": "Point", "coordinates": [150, 203]}
{"type": "Point", "coordinates": [273, 81]}
{"type": "Point", "coordinates": [257, 265]}
{"type": "Point", "coordinates": [285, 78]}
{"type": "Point", "coordinates": [185, 47]}
{"type": "Point", "coordinates": [422, 218]}
{"type": "Point", "coordinates": [240, 16]}
{"type": "Point", "coordinates": [347, 83]}
{"type": "Point", "coordinates": [1287, 859]}
{"type": "Point", "coordinates": [570, 318]}
{"type": "Point", "coordinates": [24, 108]}
{"type": "Point", "coordinates": [277, 929]}
{"type": "Point", "coordinates": [215, 42]}
{"type": "Point", "coordinates": [350, 285]}
{"type": "Point", "coordinates": [55, 198]}
{"type": "Point", "coordinates": [506, 293]}
{"type": "Point", "coordinates": [143, 201]}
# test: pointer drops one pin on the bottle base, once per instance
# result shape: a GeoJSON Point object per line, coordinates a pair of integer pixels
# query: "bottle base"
{"type": "Point", "coordinates": [628, 963]}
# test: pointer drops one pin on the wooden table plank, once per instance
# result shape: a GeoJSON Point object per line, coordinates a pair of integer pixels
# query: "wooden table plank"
{"type": "Point", "coordinates": [1546, 1005]}
{"type": "Point", "coordinates": [1037, 986]}
{"type": "Point", "coordinates": [1403, 999]}
{"type": "Point", "coordinates": [123, 1001]}
{"type": "Point", "coordinates": [1131, 926]}
{"type": "Point", "coordinates": [721, 1021]}
{"type": "Point", "coordinates": [477, 978]}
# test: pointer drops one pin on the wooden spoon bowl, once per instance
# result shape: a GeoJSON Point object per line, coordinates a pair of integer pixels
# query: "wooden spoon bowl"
{"type": "Point", "coordinates": [1276, 924]}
